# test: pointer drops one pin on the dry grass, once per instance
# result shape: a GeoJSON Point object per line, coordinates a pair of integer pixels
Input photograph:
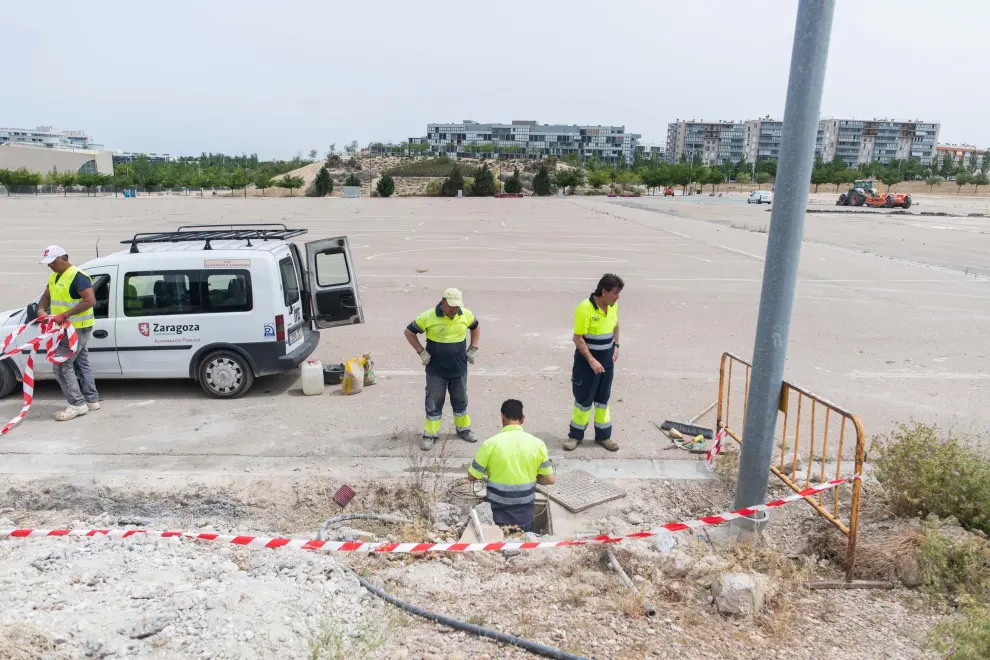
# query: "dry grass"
{"type": "Point", "coordinates": [429, 479]}
{"type": "Point", "coordinates": [21, 641]}
{"type": "Point", "coordinates": [880, 556]}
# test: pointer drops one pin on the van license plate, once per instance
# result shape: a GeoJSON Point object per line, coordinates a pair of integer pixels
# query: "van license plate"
{"type": "Point", "coordinates": [295, 335]}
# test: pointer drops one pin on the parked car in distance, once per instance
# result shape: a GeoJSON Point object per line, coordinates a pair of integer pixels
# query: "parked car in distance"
{"type": "Point", "coordinates": [760, 197]}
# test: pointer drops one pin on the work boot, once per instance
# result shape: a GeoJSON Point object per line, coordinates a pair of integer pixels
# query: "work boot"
{"type": "Point", "coordinates": [609, 444]}
{"type": "Point", "coordinates": [467, 435]}
{"type": "Point", "coordinates": [71, 413]}
{"type": "Point", "coordinates": [571, 444]}
{"type": "Point", "coordinates": [426, 444]}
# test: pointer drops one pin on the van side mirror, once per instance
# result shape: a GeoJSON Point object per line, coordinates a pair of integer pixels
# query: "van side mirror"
{"type": "Point", "coordinates": [32, 312]}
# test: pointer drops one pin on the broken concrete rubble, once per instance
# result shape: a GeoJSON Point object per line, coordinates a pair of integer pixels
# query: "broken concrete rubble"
{"type": "Point", "coordinates": [740, 594]}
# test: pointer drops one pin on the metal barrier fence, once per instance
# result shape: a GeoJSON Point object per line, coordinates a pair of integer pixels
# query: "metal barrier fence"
{"type": "Point", "coordinates": [806, 442]}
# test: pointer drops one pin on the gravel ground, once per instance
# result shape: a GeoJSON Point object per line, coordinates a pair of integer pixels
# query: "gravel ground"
{"type": "Point", "coordinates": [171, 598]}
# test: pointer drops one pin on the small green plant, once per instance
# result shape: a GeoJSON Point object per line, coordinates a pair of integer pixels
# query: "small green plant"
{"type": "Point", "coordinates": [966, 637]}
{"type": "Point", "coordinates": [386, 185]}
{"type": "Point", "coordinates": [352, 180]}
{"type": "Point", "coordinates": [924, 474]}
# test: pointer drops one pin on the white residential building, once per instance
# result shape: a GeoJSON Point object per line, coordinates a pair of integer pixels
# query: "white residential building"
{"type": "Point", "coordinates": [48, 137]}
{"type": "Point", "coordinates": [529, 139]}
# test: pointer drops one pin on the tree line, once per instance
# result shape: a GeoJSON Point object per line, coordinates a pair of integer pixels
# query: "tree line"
{"type": "Point", "coordinates": [204, 171]}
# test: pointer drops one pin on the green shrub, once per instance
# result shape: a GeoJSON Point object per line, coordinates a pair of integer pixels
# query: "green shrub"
{"type": "Point", "coordinates": [352, 180]}
{"type": "Point", "coordinates": [323, 183]}
{"type": "Point", "coordinates": [541, 182]}
{"type": "Point", "coordinates": [958, 566]}
{"type": "Point", "coordinates": [514, 184]}
{"type": "Point", "coordinates": [964, 638]}
{"type": "Point", "coordinates": [484, 182]}
{"type": "Point", "coordinates": [386, 185]}
{"type": "Point", "coordinates": [434, 188]}
{"type": "Point", "coordinates": [924, 474]}
{"type": "Point", "coordinates": [453, 183]}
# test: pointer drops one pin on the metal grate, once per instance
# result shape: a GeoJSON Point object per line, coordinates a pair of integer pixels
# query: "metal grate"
{"type": "Point", "coordinates": [343, 495]}
{"type": "Point", "coordinates": [577, 491]}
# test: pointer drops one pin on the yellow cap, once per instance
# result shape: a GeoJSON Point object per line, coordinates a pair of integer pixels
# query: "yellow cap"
{"type": "Point", "coordinates": [454, 297]}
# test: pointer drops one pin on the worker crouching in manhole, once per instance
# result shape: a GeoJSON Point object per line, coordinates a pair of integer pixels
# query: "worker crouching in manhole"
{"type": "Point", "coordinates": [446, 357]}
{"type": "Point", "coordinates": [515, 462]}
{"type": "Point", "coordinates": [596, 338]}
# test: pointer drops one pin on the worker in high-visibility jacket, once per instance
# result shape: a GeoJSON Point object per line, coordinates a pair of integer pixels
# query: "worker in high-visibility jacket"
{"type": "Point", "coordinates": [446, 357]}
{"type": "Point", "coordinates": [515, 462]}
{"type": "Point", "coordinates": [70, 295]}
{"type": "Point", "coordinates": [596, 340]}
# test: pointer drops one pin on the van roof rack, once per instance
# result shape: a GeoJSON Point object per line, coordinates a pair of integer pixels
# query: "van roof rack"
{"type": "Point", "coordinates": [264, 231]}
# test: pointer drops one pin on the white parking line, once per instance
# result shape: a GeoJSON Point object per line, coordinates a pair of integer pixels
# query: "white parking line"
{"type": "Point", "coordinates": [741, 252]}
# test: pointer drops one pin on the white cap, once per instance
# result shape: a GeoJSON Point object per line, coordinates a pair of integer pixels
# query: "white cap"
{"type": "Point", "coordinates": [52, 252]}
{"type": "Point", "coordinates": [453, 297]}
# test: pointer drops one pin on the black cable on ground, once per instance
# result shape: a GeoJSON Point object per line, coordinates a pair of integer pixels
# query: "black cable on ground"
{"type": "Point", "coordinates": [502, 638]}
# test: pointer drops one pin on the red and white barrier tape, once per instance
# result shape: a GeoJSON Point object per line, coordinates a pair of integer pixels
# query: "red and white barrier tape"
{"type": "Point", "coordinates": [385, 547]}
{"type": "Point", "coordinates": [49, 338]}
{"type": "Point", "coordinates": [715, 450]}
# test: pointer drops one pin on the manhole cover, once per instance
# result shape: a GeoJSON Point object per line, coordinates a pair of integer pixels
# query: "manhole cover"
{"type": "Point", "coordinates": [577, 490]}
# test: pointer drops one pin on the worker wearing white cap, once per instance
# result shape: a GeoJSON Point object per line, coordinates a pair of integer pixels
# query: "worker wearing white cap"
{"type": "Point", "coordinates": [446, 356]}
{"type": "Point", "coordinates": [70, 295]}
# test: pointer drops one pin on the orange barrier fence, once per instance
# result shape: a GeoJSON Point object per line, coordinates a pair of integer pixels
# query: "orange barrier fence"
{"type": "Point", "coordinates": [806, 444]}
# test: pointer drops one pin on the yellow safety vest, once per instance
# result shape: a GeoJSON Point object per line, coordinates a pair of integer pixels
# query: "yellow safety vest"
{"type": "Point", "coordinates": [512, 459]}
{"type": "Point", "coordinates": [62, 300]}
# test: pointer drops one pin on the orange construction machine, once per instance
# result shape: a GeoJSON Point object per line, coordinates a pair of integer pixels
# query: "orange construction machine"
{"type": "Point", "coordinates": [864, 194]}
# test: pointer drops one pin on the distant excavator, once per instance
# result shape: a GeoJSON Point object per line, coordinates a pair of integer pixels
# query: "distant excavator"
{"type": "Point", "coordinates": [863, 193]}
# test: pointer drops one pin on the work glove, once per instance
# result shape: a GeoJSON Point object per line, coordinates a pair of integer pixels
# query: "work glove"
{"type": "Point", "coordinates": [471, 352]}
{"type": "Point", "coordinates": [424, 356]}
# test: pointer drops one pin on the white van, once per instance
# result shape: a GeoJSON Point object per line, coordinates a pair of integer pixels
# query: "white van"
{"type": "Point", "coordinates": [220, 304]}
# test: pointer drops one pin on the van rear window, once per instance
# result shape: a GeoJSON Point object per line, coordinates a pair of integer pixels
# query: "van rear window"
{"type": "Point", "coordinates": [290, 285]}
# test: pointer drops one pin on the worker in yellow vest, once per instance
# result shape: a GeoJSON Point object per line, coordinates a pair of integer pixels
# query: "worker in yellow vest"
{"type": "Point", "coordinates": [452, 335]}
{"type": "Point", "coordinates": [596, 340]}
{"type": "Point", "coordinates": [70, 295]}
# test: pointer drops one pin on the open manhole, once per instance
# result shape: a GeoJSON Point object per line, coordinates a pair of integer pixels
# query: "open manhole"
{"type": "Point", "coordinates": [578, 490]}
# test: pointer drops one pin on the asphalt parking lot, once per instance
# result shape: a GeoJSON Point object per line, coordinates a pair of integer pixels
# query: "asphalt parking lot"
{"type": "Point", "coordinates": [890, 321]}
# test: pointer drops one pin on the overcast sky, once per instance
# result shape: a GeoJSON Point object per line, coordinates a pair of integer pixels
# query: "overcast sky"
{"type": "Point", "coordinates": [280, 77]}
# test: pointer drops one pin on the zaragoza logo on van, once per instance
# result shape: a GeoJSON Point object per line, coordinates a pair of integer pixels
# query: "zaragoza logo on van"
{"type": "Point", "coordinates": [162, 329]}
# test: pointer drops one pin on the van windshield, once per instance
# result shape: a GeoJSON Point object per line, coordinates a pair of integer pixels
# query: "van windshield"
{"type": "Point", "coordinates": [290, 284]}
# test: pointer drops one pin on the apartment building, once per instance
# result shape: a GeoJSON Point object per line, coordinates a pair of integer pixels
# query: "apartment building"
{"type": "Point", "coordinates": [530, 139]}
{"type": "Point", "coordinates": [714, 143]}
{"type": "Point", "coordinates": [131, 156]}
{"type": "Point", "coordinates": [646, 151]}
{"type": "Point", "coordinates": [961, 155]}
{"type": "Point", "coordinates": [48, 137]}
{"type": "Point", "coordinates": [858, 141]}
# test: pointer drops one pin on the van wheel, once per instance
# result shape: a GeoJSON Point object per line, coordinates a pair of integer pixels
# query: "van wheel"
{"type": "Point", "coordinates": [8, 381]}
{"type": "Point", "coordinates": [225, 375]}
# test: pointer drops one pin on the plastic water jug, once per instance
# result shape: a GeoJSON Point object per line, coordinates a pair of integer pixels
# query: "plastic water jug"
{"type": "Point", "coordinates": [311, 374]}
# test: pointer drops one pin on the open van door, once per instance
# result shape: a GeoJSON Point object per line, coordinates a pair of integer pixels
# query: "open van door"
{"type": "Point", "coordinates": [333, 290]}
